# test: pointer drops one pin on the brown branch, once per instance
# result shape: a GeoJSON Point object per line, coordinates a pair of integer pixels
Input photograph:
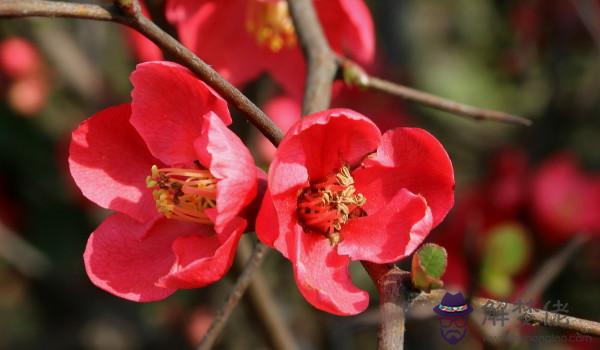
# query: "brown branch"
{"type": "Point", "coordinates": [264, 303]}
{"type": "Point", "coordinates": [234, 297]}
{"type": "Point", "coordinates": [321, 62]}
{"type": "Point", "coordinates": [355, 75]}
{"type": "Point", "coordinates": [20, 8]}
{"type": "Point", "coordinates": [394, 297]}
{"type": "Point", "coordinates": [490, 308]}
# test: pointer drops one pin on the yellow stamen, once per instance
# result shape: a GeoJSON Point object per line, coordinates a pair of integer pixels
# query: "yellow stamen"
{"type": "Point", "coordinates": [183, 194]}
{"type": "Point", "coordinates": [270, 23]}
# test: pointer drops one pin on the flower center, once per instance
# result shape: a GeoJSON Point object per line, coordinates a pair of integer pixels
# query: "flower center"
{"type": "Point", "coordinates": [327, 205]}
{"type": "Point", "coordinates": [270, 23]}
{"type": "Point", "coordinates": [183, 194]}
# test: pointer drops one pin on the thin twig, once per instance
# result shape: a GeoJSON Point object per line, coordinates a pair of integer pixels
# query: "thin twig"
{"type": "Point", "coordinates": [491, 307]}
{"type": "Point", "coordinates": [234, 297]}
{"type": "Point", "coordinates": [265, 305]}
{"type": "Point", "coordinates": [355, 75]}
{"type": "Point", "coordinates": [321, 62]}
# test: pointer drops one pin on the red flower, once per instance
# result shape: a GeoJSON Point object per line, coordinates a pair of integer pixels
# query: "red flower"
{"type": "Point", "coordinates": [170, 168]}
{"type": "Point", "coordinates": [566, 201]}
{"type": "Point", "coordinates": [339, 191]}
{"type": "Point", "coordinates": [243, 38]}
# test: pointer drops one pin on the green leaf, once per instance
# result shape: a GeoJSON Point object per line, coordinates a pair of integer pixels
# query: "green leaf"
{"type": "Point", "coordinates": [433, 259]}
{"type": "Point", "coordinates": [428, 265]}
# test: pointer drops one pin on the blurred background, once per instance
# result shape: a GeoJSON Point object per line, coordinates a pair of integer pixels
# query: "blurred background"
{"type": "Point", "coordinates": [525, 195]}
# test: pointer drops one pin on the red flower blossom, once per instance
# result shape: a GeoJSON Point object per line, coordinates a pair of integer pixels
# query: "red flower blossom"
{"type": "Point", "coordinates": [566, 201]}
{"type": "Point", "coordinates": [339, 191]}
{"type": "Point", "coordinates": [243, 38]}
{"type": "Point", "coordinates": [170, 168]}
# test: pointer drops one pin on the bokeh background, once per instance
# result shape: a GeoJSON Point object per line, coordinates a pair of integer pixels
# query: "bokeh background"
{"type": "Point", "coordinates": [523, 193]}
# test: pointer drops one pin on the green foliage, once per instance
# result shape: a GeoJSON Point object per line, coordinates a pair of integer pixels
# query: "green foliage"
{"type": "Point", "coordinates": [428, 265]}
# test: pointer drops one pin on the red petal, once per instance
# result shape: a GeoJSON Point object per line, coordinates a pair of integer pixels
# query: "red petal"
{"type": "Point", "coordinates": [408, 158]}
{"type": "Point", "coordinates": [228, 160]}
{"type": "Point", "coordinates": [274, 226]}
{"type": "Point", "coordinates": [349, 27]}
{"type": "Point", "coordinates": [267, 228]}
{"type": "Point", "coordinates": [109, 162]}
{"type": "Point", "coordinates": [167, 109]}
{"type": "Point", "coordinates": [202, 260]}
{"type": "Point", "coordinates": [117, 261]}
{"type": "Point", "coordinates": [360, 33]}
{"type": "Point", "coordinates": [389, 234]}
{"type": "Point", "coordinates": [322, 276]}
{"type": "Point", "coordinates": [323, 142]}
